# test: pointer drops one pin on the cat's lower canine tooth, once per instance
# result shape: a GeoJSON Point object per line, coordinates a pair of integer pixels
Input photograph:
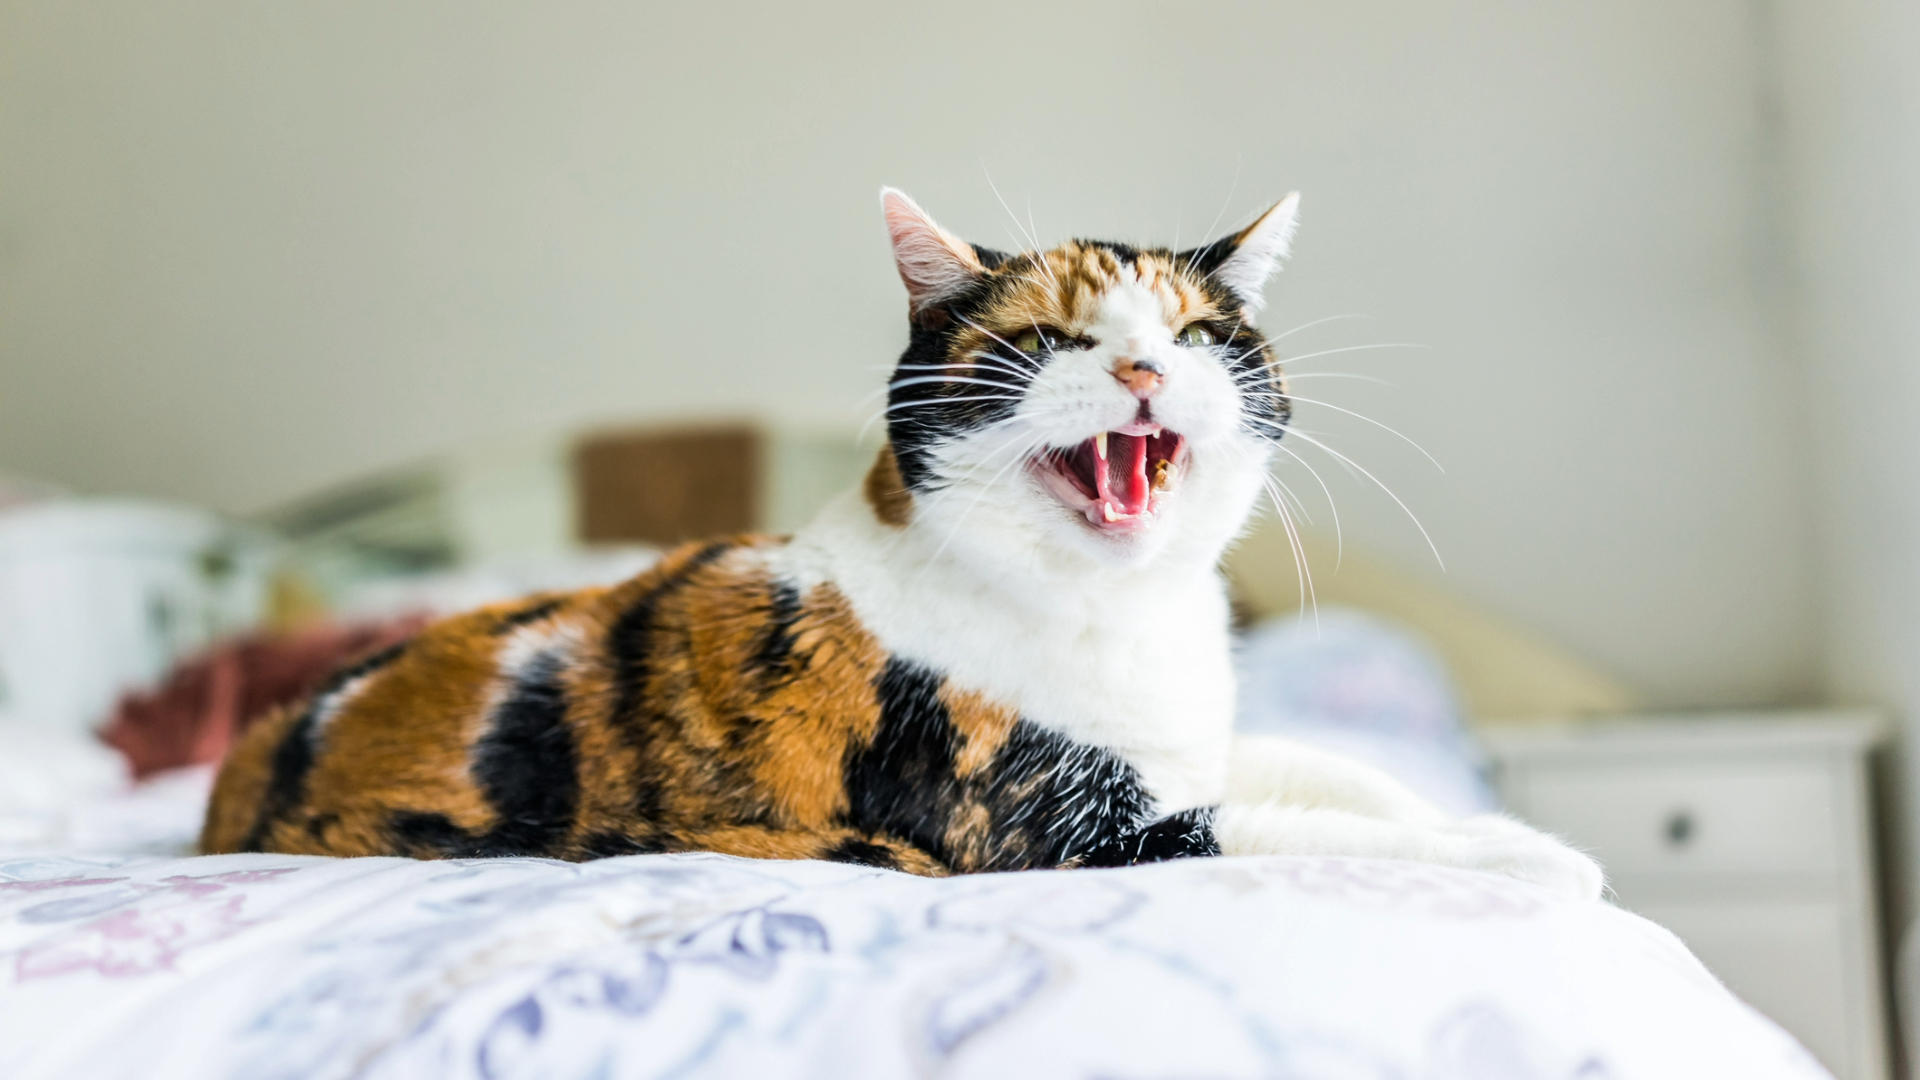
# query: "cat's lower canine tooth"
{"type": "Point", "coordinates": [1107, 510]}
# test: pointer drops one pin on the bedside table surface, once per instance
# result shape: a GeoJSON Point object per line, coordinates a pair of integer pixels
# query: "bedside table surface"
{"type": "Point", "coordinates": [1845, 730]}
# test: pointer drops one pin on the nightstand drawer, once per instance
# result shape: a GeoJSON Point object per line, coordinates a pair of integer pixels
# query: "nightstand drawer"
{"type": "Point", "coordinates": [1796, 962]}
{"type": "Point", "coordinates": [1690, 817]}
{"type": "Point", "coordinates": [1748, 835]}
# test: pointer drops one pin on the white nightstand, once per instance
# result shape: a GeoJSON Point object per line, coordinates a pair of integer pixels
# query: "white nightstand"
{"type": "Point", "coordinates": [1750, 836]}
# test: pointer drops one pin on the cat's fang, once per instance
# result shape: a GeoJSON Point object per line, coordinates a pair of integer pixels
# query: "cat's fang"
{"type": "Point", "coordinates": [1117, 480]}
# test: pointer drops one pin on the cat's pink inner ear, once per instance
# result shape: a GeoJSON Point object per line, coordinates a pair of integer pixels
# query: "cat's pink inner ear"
{"type": "Point", "coordinates": [1257, 251]}
{"type": "Point", "coordinates": [934, 263]}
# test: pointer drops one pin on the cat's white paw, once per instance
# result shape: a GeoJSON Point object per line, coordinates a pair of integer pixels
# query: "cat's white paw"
{"type": "Point", "coordinates": [1501, 845]}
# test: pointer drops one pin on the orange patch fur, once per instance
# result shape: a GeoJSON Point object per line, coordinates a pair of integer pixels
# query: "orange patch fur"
{"type": "Point", "coordinates": [403, 741]}
{"type": "Point", "coordinates": [886, 492]}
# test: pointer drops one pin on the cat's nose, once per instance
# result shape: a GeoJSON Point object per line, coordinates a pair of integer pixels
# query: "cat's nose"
{"type": "Point", "coordinates": [1142, 377]}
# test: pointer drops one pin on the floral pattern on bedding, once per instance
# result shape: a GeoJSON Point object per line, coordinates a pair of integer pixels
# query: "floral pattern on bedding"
{"type": "Point", "coordinates": [262, 967]}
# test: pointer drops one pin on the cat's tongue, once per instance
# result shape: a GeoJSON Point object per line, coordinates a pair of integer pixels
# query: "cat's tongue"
{"type": "Point", "coordinates": [1121, 474]}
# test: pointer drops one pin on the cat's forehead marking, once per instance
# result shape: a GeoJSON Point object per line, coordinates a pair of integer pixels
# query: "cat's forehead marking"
{"type": "Point", "coordinates": [1074, 285]}
{"type": "Point", "coordinates": [1132, 310]}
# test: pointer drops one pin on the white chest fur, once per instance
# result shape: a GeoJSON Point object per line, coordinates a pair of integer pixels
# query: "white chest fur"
{"type": "Point", "coordinates": [1135, 661]}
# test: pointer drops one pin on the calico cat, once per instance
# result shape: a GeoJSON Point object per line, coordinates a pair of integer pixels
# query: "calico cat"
{"type": "Point", "coordinates": [1007, 650]}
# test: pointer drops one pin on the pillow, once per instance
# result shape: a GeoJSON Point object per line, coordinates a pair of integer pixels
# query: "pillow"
{"type": "Point", "coordinates": [1360, 685]}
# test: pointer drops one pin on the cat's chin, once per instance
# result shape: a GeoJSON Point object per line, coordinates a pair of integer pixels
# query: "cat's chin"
{"type": "Point", "coordinates": [1116, 481]}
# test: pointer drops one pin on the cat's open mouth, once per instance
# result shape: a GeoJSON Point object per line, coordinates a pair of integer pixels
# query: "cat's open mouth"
{"type": "Point", "coordinates": [1116, 478]}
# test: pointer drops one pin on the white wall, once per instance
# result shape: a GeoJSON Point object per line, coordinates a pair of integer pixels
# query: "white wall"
{"type": "Point", "coordinates": [250, 249]}
{"type": "Point", "coordinates": [1852, 125]}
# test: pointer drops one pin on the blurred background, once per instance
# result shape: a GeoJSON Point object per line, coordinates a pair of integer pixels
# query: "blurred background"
{"type": "Point", "coordinates": [368, 308]}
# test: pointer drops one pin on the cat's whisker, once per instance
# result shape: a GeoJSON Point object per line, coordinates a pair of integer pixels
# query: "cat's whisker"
{"type": "Point", "coordinates": [1357, 348]}
{"type": "Point", "coordinates": [1262, 370]}
{"type": "Point", "coordinates": [1267, 480]}
{"type": "Point", "coordinates": [1431, 546]}
{"type": "Point", "coordinates": [1290, 398]}
{"type": "Point", "coordinates": [1021, 365]}
{"type": "Point", "coordinates": [1033, 242]}
{"type": "Point", "coordinates": [1289, 507]}
{"type": "Point", "coordinates": [1293, 497]}
{"type": "Point", "coordinates": [1302, 572]}
{"type": "Point", "coordinates": [1262, 466]}
{"type": "Point", "coordinates": [1026, 446]}
{"type": "Point", "coordinates": [1306, 574]}
{"type": "Point", "coordinates": [925, 402]}
{"type": "Point", "coordinates": [1339, 538]}
{"type": "Point", "coordinates": [1037, 281]}
{"type": "Point", "coordinates": [1232, 189]}
{"type": "Point", "coordinates": [1021, 353]}
{"type": "Point", "coordinates": [1032, 362]}
{"type": "Point", "coordinates": [1361, 416]}
{"type": "Point", "coordinates": [1034, 231]}
{"type": "Point", "coordinates": [1289, 362]}
{"type": "Point", "coordinates": [996, 365]}
{"type": "Point", "coordinates": [920, 380]}
{"type": "Point", "coordinates": [972, 361]}
{"type": "Point", "coordinates": [1291, 376]}
{"type": "Point", "coordinates": [1046, 267]}
{"type": "Point", "coordinates": [1268, 383]}
{"type": "Point", "coordinates": [1352, 473]}
{"type": "Point", "coordinates": [964, 514]}
{"type": "Point", "coordinates": [1314, 323]}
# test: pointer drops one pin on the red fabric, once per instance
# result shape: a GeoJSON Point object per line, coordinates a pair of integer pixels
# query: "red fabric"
{"type": "Point", "coordinates": [209, 699]}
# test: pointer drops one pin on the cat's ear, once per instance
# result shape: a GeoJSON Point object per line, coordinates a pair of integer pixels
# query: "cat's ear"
{"type": "Point", "coordinates": [1244, 261]}
{"type": "Point", "coordinates": [935, 264]}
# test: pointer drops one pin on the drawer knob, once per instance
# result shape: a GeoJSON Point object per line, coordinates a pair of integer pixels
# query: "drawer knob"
{"type": "Point", "coordinates": [1679, 829]}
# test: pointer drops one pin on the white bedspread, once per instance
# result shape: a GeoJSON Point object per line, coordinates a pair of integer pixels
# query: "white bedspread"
{"type": "Point", "coordinates": [259, 967]}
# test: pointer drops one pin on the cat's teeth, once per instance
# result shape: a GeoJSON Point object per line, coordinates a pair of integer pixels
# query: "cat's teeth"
{"type": "Point", "coordinates": [1163, 475]}
{"type": "Point", "coordinates": [1100, 448]}
{"type": "Point", "coordinates": [1106, 509]}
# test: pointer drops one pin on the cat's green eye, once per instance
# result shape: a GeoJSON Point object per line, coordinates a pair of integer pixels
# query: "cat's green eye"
{"type": "Point", "coordinates": [1035, 340]}
{"type": "Point", "coordinates": [1196, 335]}
{"type": "Point", "coordinates": [1041, 341]}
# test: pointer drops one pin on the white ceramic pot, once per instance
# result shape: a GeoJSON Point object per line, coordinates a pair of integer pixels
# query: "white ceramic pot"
{"type": "Point", "coordinates": [98, 596]}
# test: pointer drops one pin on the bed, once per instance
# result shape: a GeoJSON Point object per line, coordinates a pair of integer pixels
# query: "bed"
{"type": "Point", "coordinates": [260, 967]}
{"type": "Point", "coordinates": [121, 957]}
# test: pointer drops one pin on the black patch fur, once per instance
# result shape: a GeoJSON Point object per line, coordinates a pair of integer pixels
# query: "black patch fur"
{"type": "Point", "coordinates": [293, 759]}
{"type": "Point", "coordinates": [1048, 801]}
{"type": "Point", "coordinates": [862, 853]}
{"type": "Point", "coordinates": [1185, 835]}
{"type": "Point", "coordinates": [527, 766]}
{"type": "Point", "coordinates": [608, 845]}
{"type": "Point", "coordinates": [532, 613]}
{"type": "Point", "coordinates": [783, 611]}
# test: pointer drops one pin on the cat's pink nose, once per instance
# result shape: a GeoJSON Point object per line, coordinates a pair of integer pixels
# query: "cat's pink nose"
{"type": "Point", "coordinates": [1142, 377]}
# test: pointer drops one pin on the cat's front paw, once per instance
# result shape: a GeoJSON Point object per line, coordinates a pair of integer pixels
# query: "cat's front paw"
{"type": "Point", "coordinates": [1501, 845]}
